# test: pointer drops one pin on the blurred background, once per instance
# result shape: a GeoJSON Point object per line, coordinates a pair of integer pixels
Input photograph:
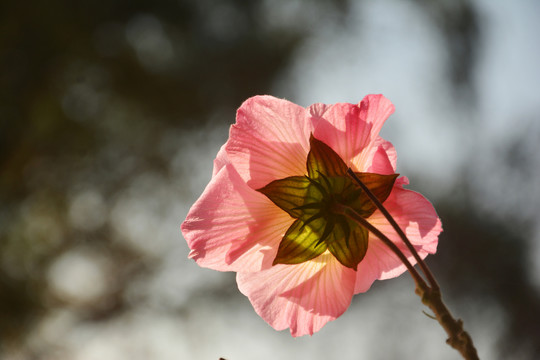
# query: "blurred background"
{"type": "Point", "coordinates": [111, 113]}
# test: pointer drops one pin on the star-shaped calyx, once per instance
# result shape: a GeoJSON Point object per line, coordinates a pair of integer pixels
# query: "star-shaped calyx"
{"type": "Point", "coordinates": [311, 200]}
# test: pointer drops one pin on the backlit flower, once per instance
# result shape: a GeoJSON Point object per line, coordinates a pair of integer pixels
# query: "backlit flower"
{"type": "Point", "coordinates": [267, 212]}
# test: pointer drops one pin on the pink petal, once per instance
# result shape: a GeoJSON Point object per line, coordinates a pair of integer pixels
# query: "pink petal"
{"type": "Point", "coordinates": [377, 109]}
{"type": "Point", "coordinates": [231, 227]}
{"type": "Point", "coordinates": [269, 141]}
{"type": "Point", "coordinates": [417, 217]}
{"type": "Point", "coordinates": [317, 111]}
{"type": "Point", "coordinates": [349, 129]}
{"type": "Point", "coordinates": [221, 160]}
{"type": "Point", "coordinates": [380, 158]}
{"type": "Point", "coordinates": [301, 297]}
{"type": "Point", "coordinates": [379, 263]}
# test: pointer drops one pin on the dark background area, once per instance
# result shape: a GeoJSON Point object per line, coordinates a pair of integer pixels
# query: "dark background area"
{"type": "Point", "coordinates": [106, 112]}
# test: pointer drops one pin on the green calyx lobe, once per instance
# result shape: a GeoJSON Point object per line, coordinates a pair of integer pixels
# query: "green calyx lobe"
{"type": "Point", "coordinates": [310, 200]}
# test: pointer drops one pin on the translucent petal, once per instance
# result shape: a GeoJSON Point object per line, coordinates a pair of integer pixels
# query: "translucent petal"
{"type": "Point", "coordinates": [301, 297]}
{"type": "Point", "coordinates": [348, 243]}
{"type": "Point", "coordinates": [301, 243]}
{"type": "Point", "coordinates": [269, 141]}
{"type": "Point", "coordinates": [288, 194]}
{"type": "Point", "coordinates": [380, 158]}
{"type": "Point", "coordinates": [380, 185]}
{"type": "Point", "coordinates": [417, 217]}
{"type": "Point", "coordinates": [322, 159]}
{"type": "Point", "coordinates": [232, 227]}
{"type": "Point", "coordinates": [220, 161]}
{"type": "Point", "coordinates": [317, 111]}
{"type": "Point", "coordinates": [349, 129]}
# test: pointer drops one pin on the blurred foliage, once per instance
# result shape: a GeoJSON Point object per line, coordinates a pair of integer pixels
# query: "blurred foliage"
{"type": "Point", "coordinates": [481, 259]}
{"type": "Point", "coordinates": [459, 28]}
{"type": "Point", "coordinates": [90, 91]}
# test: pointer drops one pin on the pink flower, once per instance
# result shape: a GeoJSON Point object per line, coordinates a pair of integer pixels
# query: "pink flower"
{"type": "Point", "coordinates": [267, 215]}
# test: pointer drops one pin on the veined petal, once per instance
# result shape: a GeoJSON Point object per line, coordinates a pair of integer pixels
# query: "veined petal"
{"type": "Point", "coordinates": [301, 243]}
{"type": "Point", "coordinates": [379, 158]}
{"type": "Point", "coordinates": [379, 263]}
{"type": "Point", "coordinates": [232, 227]}
{"type": "Point", "coordinates": [348, 129]}
{"type": "Point", "coordinates": [322, 159]}
{"type": "Point", "coordinates": [380, 185]}
{"type": "Point", "coordinates": [220, 161]}
{"type": "Point", "coordinates": [289, 193]}
{"type": "Point", "coordinates": [348, 243]}
{"type": "Point", "coordinates": [317, 112]}
{"type": "Point", "coordinates": [416, 216]}
{"type": "Point", "coordinates": [377, 109]}
{"type": "Point", "coordinates": [301, 297]}
{"type": "Point", "coordinates": [269, 141]}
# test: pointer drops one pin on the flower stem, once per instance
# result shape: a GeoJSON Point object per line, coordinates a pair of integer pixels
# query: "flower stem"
{"type": "Point", "coordinates": [458, 338]}
{"type": "Point", "coordinates": [430, 294]}
{"type": "Point", "coordinates": [347, 211]}
{"type": "Point", "coordinates": [429, 276]}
